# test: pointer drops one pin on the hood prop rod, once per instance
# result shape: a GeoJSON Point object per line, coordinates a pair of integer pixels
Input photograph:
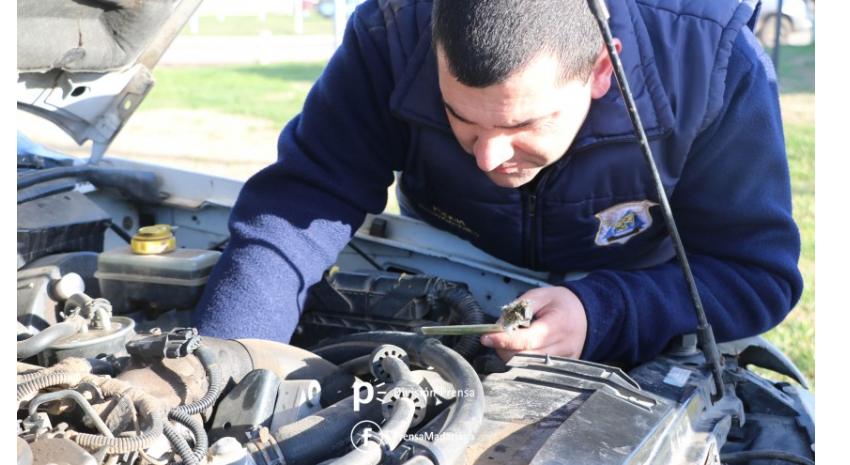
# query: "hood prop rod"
{"type": "Point", "coordinates": [705, 335]}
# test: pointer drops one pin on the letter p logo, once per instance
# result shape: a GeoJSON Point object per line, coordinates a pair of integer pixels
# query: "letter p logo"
{"type": "Point", "coordinates": [358, 400]}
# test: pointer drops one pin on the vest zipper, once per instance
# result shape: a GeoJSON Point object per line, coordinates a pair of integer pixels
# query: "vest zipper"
{"type": "Point", "coordinates": [532, 228]}
{"type": "Point", "coordinates": [533, 220]}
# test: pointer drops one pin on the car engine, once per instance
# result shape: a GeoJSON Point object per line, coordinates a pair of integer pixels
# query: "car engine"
{"type": "Point", "coordinates": [112, 258]}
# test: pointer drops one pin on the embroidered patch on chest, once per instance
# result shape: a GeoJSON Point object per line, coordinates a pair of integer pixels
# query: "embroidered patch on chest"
{"type": "Point", "coordinates": [622, 222]}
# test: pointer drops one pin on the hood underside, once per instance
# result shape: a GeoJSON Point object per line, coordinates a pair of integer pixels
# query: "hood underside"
{"type": "Point", "coordinates": [85, 65]}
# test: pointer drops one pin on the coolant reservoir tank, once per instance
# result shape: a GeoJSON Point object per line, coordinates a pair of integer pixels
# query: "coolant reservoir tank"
{"type": "Point", "coordinates": [152, 273]}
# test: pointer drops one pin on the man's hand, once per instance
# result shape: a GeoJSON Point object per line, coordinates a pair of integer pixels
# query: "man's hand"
{"type": "Point", "coordinates": [559, 327]}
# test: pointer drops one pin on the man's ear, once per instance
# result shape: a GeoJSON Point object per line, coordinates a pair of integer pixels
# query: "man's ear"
{"type": "Point", "coordinates": [600, 77]}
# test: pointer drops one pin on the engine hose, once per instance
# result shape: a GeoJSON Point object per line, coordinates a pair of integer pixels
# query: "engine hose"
{"type": "Point", "coordinates": [208, 361]}
{"type": "Point", "coordinates": [357, 366]}
{"type": "Point", "coordinates": [337, 385]}
{"type": "Point", "coordinates": [324, 434]}
{"type": "Point", "coordinates": [463, 302]}
{"type": "Point", "coordinates": [390, 437]}
{"type": "Point", "coordinates": [36, 344]}
{"type": "Point", "coordinates": [148, 407]}
{"type": "Point", "coordinates": [339, 351]}
{"type": "Point", "coordinates": [370, 450]}
{"type": "Point", "coordinates": [750, 455]}
{"type": "Point", "coordinates": [197, 429]}
{"type": "Point", "coordinates": [468, 414]}
{"type": "Point", "coordinates": [468, 410]}
{"type": "Point", "coordinates": [180, 446]}
{"type": "Point", "coordinates": [397, 370]}
{"type": "Point", "coordinates": [101, 367]}
{"type": "Point", "coordinates": [419, 460]}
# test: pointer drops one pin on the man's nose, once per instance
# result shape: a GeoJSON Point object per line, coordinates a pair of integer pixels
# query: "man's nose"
{"type": "Point", "coordinates": [492, 151]}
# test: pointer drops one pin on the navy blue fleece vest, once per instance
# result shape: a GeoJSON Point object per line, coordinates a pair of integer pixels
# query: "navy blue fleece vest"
{"type": "Point", "coordinates": [555, 227]}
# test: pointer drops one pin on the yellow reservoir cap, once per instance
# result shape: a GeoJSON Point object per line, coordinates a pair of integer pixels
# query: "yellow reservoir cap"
{"type": "Point", "coordinates": [152, 240]}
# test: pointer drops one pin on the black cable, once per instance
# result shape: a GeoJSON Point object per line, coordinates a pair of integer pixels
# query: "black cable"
{"type": "Point", "coordinates": [208, 361]}
{"type": "Point", "coordinates": [120, 232]}
{"type": "Point", "coordinates": [463, 302]}
{"type": "Point", "coordinates": [746, 456]}
{"type": "Point", "coordinates": [365, 257]}
{"type": "Point", "coordinates": [705, 335]}
{"type": "Point", "coordinates": [142, 186]}
{"type": "Point", "coordinates": [180, 446]}
{"type": "Point", "coordinates": [197, 429]}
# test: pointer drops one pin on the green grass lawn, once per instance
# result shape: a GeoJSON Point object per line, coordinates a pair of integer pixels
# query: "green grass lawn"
{"type": "Point", "coordinates": [796, 336]}
{"type": "Point", "coordinates": [277, 24]}
{"type": "Point", "coordinates": [276, 92]}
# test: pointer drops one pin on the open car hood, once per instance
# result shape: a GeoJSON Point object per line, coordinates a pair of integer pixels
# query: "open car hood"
{"type": "Point", "coordinates": [85, 65]}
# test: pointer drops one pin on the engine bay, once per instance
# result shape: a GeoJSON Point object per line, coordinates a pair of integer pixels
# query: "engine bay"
{"type": "Point", "coordinates": [111, 372]}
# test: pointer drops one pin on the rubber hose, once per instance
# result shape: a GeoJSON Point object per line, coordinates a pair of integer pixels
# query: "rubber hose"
{"type": "Point", "coordinates": [101, 367]}
{"type": "Point", "coordinates": [36, 344]}
{"type": "Point", "coordinates": [397, 370]}
{"type": "Point", "coordinates": [208, 361]}
{"type": "Point", "coordinates": [746, 456]}
{"type": "Point", "coordinates": [356, 345]}
{"type": "Point", "coordinates": [391, 435]}
{"type": "Point", "coordinates": [468, 414]}
{"type": "Point", "coordinates": [31, 179]}
{"type": "Point", "coordinates": [337, 386]}
{"type": "Point", "coordinates": [419, 460]}
{"type": "Point", "coordinates": [120, 445]}
{"type": "Point", "coordinates": [357, 366]}
{"type": "Point", "coordinates": [468, 410]}
{"type": "Point", "coordinates": [197, 429]}
{"type": "Point", "coordinates": [462, 301]}
{"type": "Point", "coordinates": [180, 446]}
{"type": "Point", "coordinates": [325, 434]}
{"type": "Point", "coordinates": [339, 351]}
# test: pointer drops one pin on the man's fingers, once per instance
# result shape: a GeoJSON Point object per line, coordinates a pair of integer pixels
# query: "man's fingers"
{"type": "Point", "coordinates": [506, 355]}
{"type": "Point", "coordinates": [520, 340]}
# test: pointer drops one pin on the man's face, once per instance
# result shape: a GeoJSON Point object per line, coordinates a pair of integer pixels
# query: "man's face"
{"type": "Point", "coordinates": [517, 128]}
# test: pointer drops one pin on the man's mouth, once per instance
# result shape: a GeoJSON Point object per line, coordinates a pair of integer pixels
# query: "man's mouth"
{"type": "Point", "coordinates": [506, 169]}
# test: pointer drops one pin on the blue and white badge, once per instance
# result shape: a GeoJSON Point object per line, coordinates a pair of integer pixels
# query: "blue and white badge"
{"type": "Point", "coordinates": [622, 222]}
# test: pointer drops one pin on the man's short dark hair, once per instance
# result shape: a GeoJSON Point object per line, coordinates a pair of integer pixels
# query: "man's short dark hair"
{"type": "Point", "coordinates": [485, 42]}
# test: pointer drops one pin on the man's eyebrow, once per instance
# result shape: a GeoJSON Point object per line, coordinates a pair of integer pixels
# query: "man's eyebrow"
{"type": "Point", "coordinates": [522, 124]}
{"type": "Point", "coordinates": [454, 113]}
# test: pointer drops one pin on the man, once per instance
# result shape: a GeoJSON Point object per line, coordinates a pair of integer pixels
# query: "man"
{"type": "Point", "coordinates": [505, 124]}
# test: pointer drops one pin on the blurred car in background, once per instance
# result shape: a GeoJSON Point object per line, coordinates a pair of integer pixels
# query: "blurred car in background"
{"type": "Point", "coordinates": [326, 7]}
{"type": "Point", "coordinates": [796, 17]}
